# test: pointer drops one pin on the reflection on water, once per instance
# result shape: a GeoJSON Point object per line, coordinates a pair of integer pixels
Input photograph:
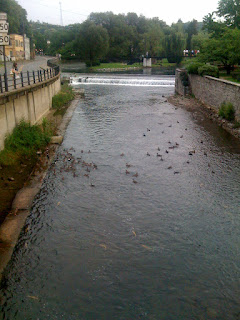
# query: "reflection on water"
{"type": "Point", "coordinates": [138, 217]}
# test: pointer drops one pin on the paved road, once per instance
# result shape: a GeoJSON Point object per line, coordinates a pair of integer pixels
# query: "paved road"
{"type": "Point", "coordinates": [31, 65]}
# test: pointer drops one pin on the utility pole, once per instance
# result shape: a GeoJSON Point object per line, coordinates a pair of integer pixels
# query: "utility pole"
{"type": "Point", "coordinates": [61, 17]}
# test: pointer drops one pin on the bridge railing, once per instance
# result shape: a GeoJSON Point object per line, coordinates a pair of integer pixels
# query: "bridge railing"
{"type": "Point", "coordinates": [23, 79]}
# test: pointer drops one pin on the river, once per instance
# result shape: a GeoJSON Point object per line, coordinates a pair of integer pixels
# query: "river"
{"type": "Point", "coordinates": [138, 217]}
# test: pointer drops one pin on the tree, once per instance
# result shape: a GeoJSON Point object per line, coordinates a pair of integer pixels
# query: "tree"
{"type": "Point", "coordinates": [192, 29]}
{"type": "Point", "coordinates": [92, 42]}
{"type": "Point", "coordinates": [225, 49]}
{"type": "Point", "coordinates": [174, 46]}
{"type": "Point", "coordinates": [230, 11]}
{"type": "Point", "coordinates": [214, 28]}
{"type": "Point", "coordinates": [198, 40]}
{"type": "Point", "coordinates": [17, 17]}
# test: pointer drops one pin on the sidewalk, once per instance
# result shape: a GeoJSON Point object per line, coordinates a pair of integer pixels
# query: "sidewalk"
{"type": "Point", "coordinates": [36, 64]}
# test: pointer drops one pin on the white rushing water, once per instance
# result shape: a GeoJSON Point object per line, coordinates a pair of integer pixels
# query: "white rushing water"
{"type": "Point", "coordinates": [123, 81]}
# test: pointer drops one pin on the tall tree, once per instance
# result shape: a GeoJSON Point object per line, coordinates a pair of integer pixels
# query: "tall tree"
{"type": "Point", "coordinates": [17, 17]}
{"type": "Point", "coordinates": [192, 29]}
{"type": "Point", "coordinates": [230, 11]}
{"type": "Point", "coordinates": [224, 49]}
{"type": "Point", "coordinates": [92, 42]}
{"type": "Point", "coordinates": [174, 46]}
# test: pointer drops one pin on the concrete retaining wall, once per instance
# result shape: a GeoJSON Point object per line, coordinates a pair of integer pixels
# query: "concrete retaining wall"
{"type": "Point", "coordinates": [211, 91]}
{"type": "Point", "coordinates": [30, 103]}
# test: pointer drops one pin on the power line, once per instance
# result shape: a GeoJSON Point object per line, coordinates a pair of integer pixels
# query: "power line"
{"type": "Point", "coordinates": [44, 5]}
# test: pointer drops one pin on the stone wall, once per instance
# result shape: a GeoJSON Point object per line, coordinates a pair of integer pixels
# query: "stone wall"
{"type": "Point", "coordinates": [30, 103]}
{"type": "Point", "coordinates": [211, 91]}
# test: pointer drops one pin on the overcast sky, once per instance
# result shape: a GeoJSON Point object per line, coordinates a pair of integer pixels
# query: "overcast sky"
{"type": "Point", "coordinates": [75, 11]}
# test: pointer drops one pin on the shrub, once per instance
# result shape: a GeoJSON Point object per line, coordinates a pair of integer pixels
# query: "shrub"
{"type": "Point", "coordinates": [227, 111]}
{"type": "Point", "coordinates": [63, 97]}
{"type": "Point", "coordinates": [192, 67]}
{"type": "Point", "coordinates": [208, 70]}
{"type": "Point", "coordinates": [25, 140]}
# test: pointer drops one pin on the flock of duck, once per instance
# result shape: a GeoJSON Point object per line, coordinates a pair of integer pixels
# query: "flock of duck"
{"type": "Point", "coordinates": [70, 163]}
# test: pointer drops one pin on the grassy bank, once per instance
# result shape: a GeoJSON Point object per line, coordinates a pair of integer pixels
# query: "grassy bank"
{"type": "Point", "coordinates": [63, 98]}
{"type": "Point", "coordinates": [225, 76]}
{"type": "Point", "coordinates": [115, 65]}
{"type": "Point", "coordinates": [24, 142]}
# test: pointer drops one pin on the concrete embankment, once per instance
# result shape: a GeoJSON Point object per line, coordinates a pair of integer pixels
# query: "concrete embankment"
{"type": "Point", "coordinates": [15, 221]}
{"type": "Point", "coordinates": [30, 103]}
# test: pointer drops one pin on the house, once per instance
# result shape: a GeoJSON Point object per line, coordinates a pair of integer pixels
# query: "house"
{"type": "Point", "coordinates": [18, 49]}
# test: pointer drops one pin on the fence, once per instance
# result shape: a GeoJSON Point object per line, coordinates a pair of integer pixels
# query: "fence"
{"type": "Point", "coordinates": [23, 79]}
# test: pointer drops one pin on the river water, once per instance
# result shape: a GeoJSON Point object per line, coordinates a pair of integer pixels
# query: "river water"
{"type": "Point", "coordinates": [138, 218]}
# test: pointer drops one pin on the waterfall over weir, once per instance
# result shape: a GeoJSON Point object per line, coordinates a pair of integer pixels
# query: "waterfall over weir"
{"type": "Point", "coordinates": [124, 81]}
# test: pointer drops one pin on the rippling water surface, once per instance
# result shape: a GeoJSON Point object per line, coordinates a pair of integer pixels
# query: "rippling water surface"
{"type": "Point", "coordinates": [159, 242]}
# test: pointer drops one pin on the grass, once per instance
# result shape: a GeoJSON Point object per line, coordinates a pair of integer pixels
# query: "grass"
{"type": "Point", "coordinates": [61, 99]}
{"type": "Point", "coordinates": [228, 77]}
{"type": "Point", "coordinates": [163, 63]}
{"type": "Point", "coordinates": [227, 111]}
{"type": "Point", "coordinates": [115, 65]}
{"type": "Point", "coordinates": [24, 142]}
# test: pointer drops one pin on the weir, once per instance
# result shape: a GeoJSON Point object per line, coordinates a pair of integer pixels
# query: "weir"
{"type": "Point", "coordinates": [123, 81]}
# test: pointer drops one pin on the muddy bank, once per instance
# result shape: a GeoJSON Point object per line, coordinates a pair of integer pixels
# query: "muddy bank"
{"type": "Point", "coordinates": [193, 105]}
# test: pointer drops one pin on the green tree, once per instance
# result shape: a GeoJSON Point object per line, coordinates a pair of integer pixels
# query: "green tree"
{"type": "Point", "coordinates": [17, 17]}
{"type": "Point", "coordinates": [192, 29]}
{"type": "Point", "coordinates": [92, 42]}
{"type": "Point", "coordinates": [230, 11]}
{"type": "Point", "coordinates": [224, 49]}
{"type": "Point", "coordinates": [174, 46]}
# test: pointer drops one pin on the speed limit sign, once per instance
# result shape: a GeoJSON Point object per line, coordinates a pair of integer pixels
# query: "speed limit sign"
{"type": "Point", "coordinates": [4, 39]}
{"type": "Point", "coordinates": [4, 26]}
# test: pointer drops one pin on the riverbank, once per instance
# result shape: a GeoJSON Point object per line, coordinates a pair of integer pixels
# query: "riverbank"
{"type": "Point", "coordinates": [193, 105]}
{"type": "Point", "coordinates": [17, 194]}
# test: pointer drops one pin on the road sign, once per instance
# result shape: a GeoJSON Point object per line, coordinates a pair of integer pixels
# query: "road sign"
{"type": "Point", "coordinates": [3, 16]}
{"type": "Point", "coordinates": [4, 26]}
{"type": "Point", "coordinates": [4, 39]}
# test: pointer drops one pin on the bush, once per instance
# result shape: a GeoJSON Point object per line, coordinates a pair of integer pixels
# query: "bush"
{"type": "Point", "coordinates": [227, 111]}
{"type": "Point", "coordinates": [192, 67]}
{"type": "Point", "coordinates": [25, 140]}
{"type": "Point", "coordinates": [63, 97]}
{"type": "Point", "coordinates": [208, 70]}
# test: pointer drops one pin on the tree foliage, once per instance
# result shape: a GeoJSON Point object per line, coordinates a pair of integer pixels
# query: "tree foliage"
{"type": "Point", "coordinates": [225, 49]}
{"type": "Point", "coordinates": [230, 11]}
{"type": "Point", "coordinates": [92, 42]}
{"type": "Point", "coordinates": [17, 17]}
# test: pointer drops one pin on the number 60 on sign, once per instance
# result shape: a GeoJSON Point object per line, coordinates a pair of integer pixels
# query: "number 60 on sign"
{"type": "Point", "coordinates": [4, 39]}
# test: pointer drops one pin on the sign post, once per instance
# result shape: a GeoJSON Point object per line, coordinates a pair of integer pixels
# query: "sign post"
{"type": "Point", "coordinates": [4, 41]}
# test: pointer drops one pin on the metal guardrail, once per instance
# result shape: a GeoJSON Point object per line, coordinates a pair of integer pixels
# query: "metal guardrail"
{"type": "Point", "coordinates": [23, 79]}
